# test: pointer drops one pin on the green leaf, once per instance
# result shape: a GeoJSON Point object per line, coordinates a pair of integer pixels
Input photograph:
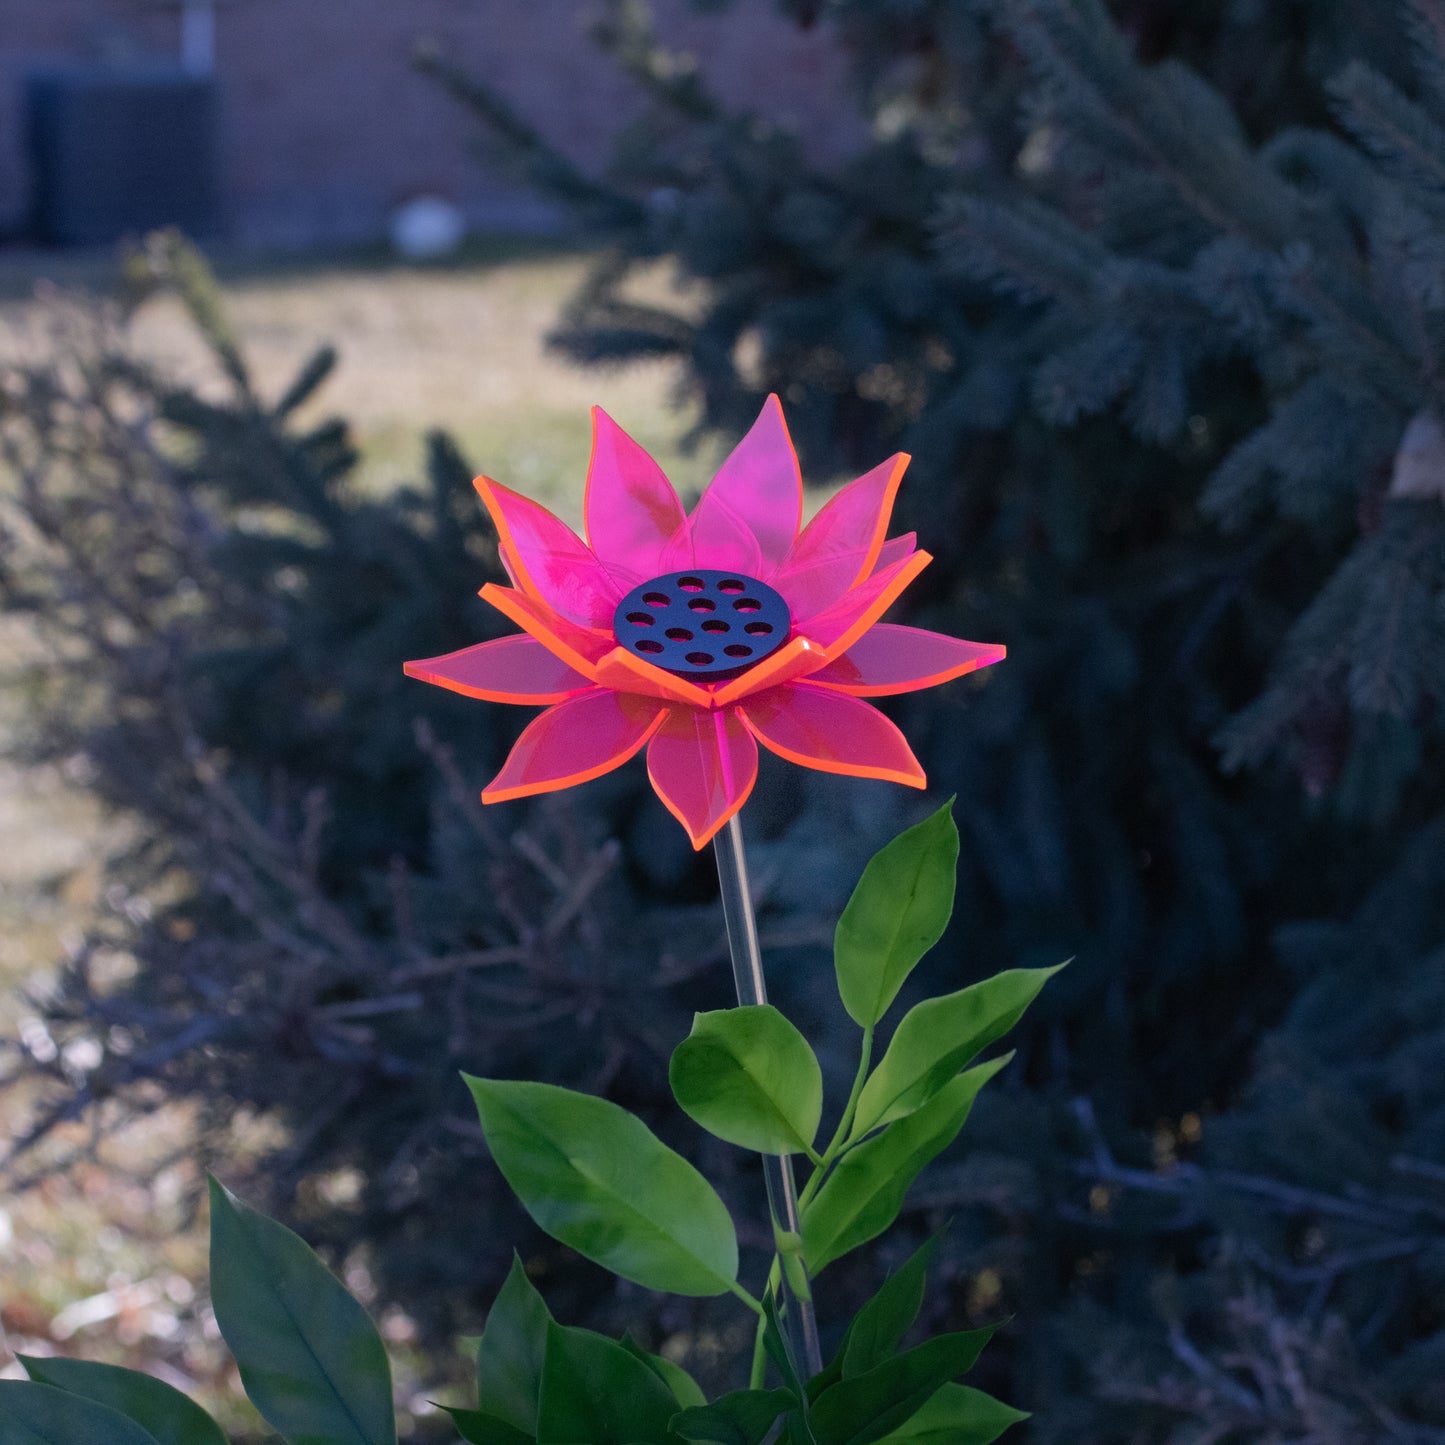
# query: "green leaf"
{"type": "Point", "coordinates": [865, 1190]}
{"type": "Point", "coordinates": [867, 1407]}
{"type": "Point", "coordinates": [748, 1076]}
{"type": "Point", "coordinates": [879, 1327]}
{"type": "Point", "coordinates": [169, 1416]}
{"type": "Point", "coordinates": [896, 914]}
{"type": "Point", "coordinates": [509, 1354]}
{"type": "Point", "coordinates": [741, 1418]}
{"type": "Point", "coordinates": [36, 1414]}
{"type": "Point", "coordinates": [600, 1181]}
{"type": "Point", "coordinates": [483, 1429]}
{"type": "Point", "coordinates": [685, 1390]}
{"type": "Point", "coordinates": [310, 1359]}
{"type": "Point", "coordinates": [594, 1391]}
{"type": "Point", "coordinates": [937, 1037]}
{"type": "Point", "coordinates": [957, 1415]}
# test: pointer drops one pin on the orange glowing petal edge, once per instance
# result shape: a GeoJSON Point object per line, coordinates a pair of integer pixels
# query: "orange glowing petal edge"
{"type": "Point", "coordinates": [492, 794]}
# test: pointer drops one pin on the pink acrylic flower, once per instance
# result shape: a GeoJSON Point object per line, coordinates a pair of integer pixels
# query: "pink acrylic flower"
{"type": "Point", "coordinates": [700, 636]}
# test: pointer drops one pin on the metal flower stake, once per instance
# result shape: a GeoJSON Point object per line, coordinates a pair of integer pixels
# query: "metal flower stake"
{"type": "Point", "coordinates": [699, 636]}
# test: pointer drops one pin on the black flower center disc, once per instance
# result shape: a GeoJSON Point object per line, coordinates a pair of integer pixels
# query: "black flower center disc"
{"type": "Point", "coordinates": [702, 625]}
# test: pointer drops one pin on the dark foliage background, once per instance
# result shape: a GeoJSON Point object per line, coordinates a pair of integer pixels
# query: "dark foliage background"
{"type": "Point", "coordinates": [1156, 296]}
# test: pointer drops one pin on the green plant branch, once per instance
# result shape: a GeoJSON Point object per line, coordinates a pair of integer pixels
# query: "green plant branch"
{"type": "Point", "coordinates": [840, 1142]}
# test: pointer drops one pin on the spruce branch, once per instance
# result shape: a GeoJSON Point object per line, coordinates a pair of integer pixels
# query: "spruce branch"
{"type": "Point", "coordinates": [1409, 145]}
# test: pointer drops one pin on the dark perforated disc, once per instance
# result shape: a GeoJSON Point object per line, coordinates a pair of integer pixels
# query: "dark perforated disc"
{"type": "Point", "coordinates": [702, 625]}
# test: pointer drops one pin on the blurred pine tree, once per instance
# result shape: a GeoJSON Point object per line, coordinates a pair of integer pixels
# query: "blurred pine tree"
{"type": "Point", "coordinates": [1157, 296]}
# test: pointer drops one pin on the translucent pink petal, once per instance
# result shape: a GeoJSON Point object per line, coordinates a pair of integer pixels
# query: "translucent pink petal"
{"type": "Point", "coordinates": [888, 659]}
{"type": "Point", "coordinates": [574, 742]}
{"type": "Point", "coordinates": [819, 728]}
{"type": "Point", "coordinates": [728, 543]}
{"type": "Point", "coordinates": [762, 483]}
{"type": "Point", "coordinates": [840, 546]}
{"type": "Point", "coordinates": [631, 508]}
{"type": "Point", "coordinates": [548, 560]}
{"type": "Point", "coordinates": [838, 627]}
{"type": "Point", "coordinates": [703, 766]}
{"type": "Point", "coordinates": [895, 550]}
{"type": "Point", "coordinates": [509, 669]}
{"type": "Point", "coordinates": [757, 493]}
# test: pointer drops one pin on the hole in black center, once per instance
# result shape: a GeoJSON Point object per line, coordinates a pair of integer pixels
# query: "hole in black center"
{"type": "Point", "coordinates": [702, 604]}
{"type": "Point", "coordinates": [747, 604]}
{"type": "Point", "coordinates": [640, 619]}
{"type": "Point", "coordinates": [699, 659]}
{"type": "Point", "coordinates": [715, 624]}
{"type": "Point", "coordinates": [648, 645]}
{"type": "Point", "coordinates": [758, 629]}
{"type": "Point", "coordinates": [656, 599]}
{"type": "Point", "coordinates": [679, 634]}
{"type": "Point", "coordinates": [738, 650]}
{"type": "Point", "coordinates": [690, 584]}
{"type": "Point", "coordinates": [732, 587]}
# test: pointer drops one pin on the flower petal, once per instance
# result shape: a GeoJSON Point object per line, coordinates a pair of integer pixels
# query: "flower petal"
{"type": "Point", "coordinates": [840, 546]}
{"type": "Point", "coordinates": [888, 659]}
{"type": "Point", "coordinates": [841, 625]}
{"type": "Point", "coordinates": [631, 508]}
{"type": "Point", "coordinates": [508, 669]}
{"type": "Point", "coordinates": [574, 742]}
{"type": "Point", "coordinates": [577, 646]}
{"type": "Point", "coordinates": [548, 560]}
{"type": "Point", "coordinates": [727, 543]}
{"type": "Point", "coordinates": [817, 727]}
{"type": "Point", "coordinates": [627, 672]}
{"type": "Point", "coordinates": [762, 482]}
{"type": "Point", "coordinates": [748, 517]}
{"type": "Point", "coordinates": [795, 658]}
{"type": "Point", "coordinates": [703, 766]}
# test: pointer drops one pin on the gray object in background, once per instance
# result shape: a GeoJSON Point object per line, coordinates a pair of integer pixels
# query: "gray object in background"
{"type": "Point", "coordinates": [119, 151]}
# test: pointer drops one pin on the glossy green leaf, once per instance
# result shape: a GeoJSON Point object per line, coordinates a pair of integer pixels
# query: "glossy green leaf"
{"type": "Point", "coordinates": [896, 914]}
{"type": "Point", "coordinates": [685, 1390]}
{"type": "Point", "coordinates": [596, 1392]}
{"type": "Point", "coordinates": [865, 1408]}
{"type": "Point", "coordinates": [480, 1428]}
{"type": "Point", "coordinates": [748, 1076]}
{"type": "Point", "coordinates": [938, 1037]}
{"type": "Point", "coordinates": [600, 1181]}
{"type": "Point", "coordinates": [310, 1358]}
{"type": "Point", "coordinates": [957, 1415]}
{"type": "Point", "coordinates": [862, 1195]}
{"type": "Point", "coordinates": [509, 1354]}
{"type": "Point", "coordinates": [879, 1327]}
{"type": "Point", "coordinates": [169, 1416]}
{"type": "Point", "coordinates": [741, 1418]}
{"type": "Point", "coordinates": [36, 1414]}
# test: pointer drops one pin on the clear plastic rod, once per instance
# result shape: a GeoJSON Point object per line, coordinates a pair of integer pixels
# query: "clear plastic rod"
{"type": "Point", "coordinates": [795, 1302]}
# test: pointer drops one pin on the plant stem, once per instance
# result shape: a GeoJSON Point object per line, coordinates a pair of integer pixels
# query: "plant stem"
{"type": "Point", "coordinates": [845, 1124]}
{"type": "Point", "coordinates": [800, 1323]}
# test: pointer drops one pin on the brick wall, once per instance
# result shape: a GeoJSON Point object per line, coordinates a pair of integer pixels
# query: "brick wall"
{"type": "Point", "coordinates": [326, 126]}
